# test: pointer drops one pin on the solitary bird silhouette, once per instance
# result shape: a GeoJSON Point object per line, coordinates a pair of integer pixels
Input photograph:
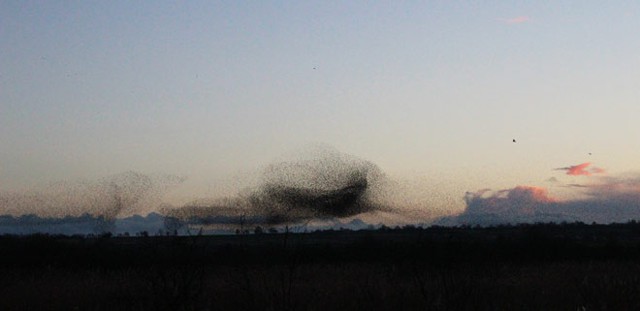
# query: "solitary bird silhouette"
{"type": "Point", "coordinates": [514, 140]}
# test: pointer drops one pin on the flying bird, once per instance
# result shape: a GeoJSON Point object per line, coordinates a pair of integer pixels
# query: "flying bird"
{"type": "Point", "coordinates": [514, 140]}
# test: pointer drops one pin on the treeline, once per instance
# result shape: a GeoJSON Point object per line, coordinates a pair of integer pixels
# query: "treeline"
{"type": "Point", "coordinates": [521, 243]}
{"type": "Point", "coordinates": [571, 266]}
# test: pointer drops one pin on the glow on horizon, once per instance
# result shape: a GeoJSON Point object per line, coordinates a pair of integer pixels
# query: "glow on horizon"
{"type": "Point", "coordinates": [433, 93]}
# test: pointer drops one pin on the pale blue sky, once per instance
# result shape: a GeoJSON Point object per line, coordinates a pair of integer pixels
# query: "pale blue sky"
{"type": "Point", "coordinates": [428, 90]}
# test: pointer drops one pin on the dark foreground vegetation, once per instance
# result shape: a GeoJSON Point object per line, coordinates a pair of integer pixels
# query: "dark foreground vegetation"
{"type": "Point", "coordinates": [527, 267]}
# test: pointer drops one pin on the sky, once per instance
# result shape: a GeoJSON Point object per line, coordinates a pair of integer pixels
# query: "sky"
{"type": "Point", "coordinates": [432, 92]}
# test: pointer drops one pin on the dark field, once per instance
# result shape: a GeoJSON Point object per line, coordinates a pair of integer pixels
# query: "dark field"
{"type": "Point", "coordinates": [532, 267]}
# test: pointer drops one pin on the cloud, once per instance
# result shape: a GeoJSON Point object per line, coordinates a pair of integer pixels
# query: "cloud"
{"type": "Point", "coordinates": [516, 20]}
{"type": "Point", "coordinates": [609, 200]}
{"type": "Point", "coordinates": [620, 187]}
{"type": "Point", "coordinates": [581, 169]}
{"type": "Point", "coordinates": [521, 200]}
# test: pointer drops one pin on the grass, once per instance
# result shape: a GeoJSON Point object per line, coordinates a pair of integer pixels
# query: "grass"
{"type": "Point", "coordinates": [511, 268]}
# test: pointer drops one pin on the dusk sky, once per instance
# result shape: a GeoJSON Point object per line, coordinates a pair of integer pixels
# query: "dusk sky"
{"type": "Point", "coordinates": [432, 92]}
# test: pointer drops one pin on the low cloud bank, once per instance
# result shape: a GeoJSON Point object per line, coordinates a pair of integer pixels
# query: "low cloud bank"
{"type": "Point", "coordinates": [106, 199]}
{"type": "Point", "coordinates": [608, 200]}
{"type": "Point", "coordinates": [85, 224]}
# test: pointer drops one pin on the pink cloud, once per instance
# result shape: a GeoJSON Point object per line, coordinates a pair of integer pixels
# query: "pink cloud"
{"type": "Point", "coordinates": [517, 20]}
{"type": "Point", "coordinates": [581, 169]}
{"type": "Point", "coordinates": [520, 200]}
{"type": "Point", "coordinates": [530, 193]}
{"type": "Point", "coordinates": [612, 199]}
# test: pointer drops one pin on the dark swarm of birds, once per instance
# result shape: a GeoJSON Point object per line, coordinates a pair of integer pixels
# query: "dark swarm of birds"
{"type": "Point", "coordinates": [319, 185]}
{"type": "Point", "coordinates": [327, 186]}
